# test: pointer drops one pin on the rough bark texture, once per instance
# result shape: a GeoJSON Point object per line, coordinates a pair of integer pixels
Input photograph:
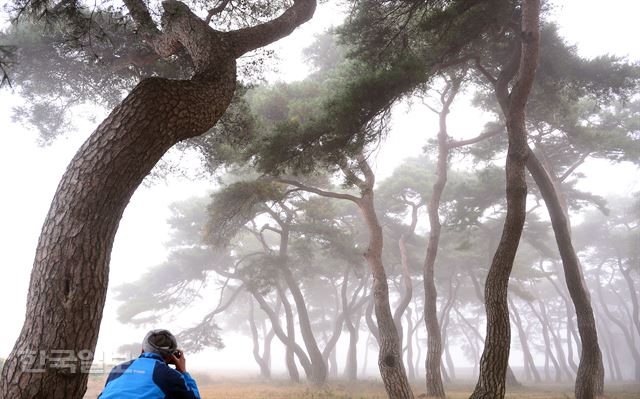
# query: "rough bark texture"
{"type": "Point", "coordinates": [495, 357]}
{"type": "Point", "coordinates": [590, 375]}
{"type": "Point", "coordinates": [70, 273]}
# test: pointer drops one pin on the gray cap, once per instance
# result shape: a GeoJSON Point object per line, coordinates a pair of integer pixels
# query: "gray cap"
{"type": "Point", "coordinates": [161, 342]}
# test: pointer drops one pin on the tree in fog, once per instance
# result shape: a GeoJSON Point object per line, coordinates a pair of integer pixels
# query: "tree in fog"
{"type": "Point", "coordinates": [69, 278]}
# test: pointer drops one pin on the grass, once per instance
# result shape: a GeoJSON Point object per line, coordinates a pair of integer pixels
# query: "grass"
{"type": "Point", "coordinates": [278, 389]}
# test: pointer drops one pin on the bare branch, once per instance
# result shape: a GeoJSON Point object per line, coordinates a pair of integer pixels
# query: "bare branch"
{"type": "Point", "coordinates": [320, 192]}
{"type": "Point", "coordinates": [478, 138]}
{"type": "Point", "coordinates": [573, 167]}
{"type": "Point", "coordinates": [216, 10]}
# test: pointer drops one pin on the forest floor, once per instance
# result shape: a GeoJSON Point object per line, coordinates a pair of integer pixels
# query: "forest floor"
{"type": "Point", "coordinates": [256, 389]}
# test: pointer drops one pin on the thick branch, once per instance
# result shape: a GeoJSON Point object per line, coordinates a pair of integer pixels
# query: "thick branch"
{"type": "Point", "coordinates": [248, 39]}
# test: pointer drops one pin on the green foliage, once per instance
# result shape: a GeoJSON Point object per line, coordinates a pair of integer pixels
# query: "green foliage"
{"type": "Point", "coordinates": [235, 206]}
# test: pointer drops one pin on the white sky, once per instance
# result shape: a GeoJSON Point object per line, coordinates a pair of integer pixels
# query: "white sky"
{"type": "Point", "coordinates": [29, 175]}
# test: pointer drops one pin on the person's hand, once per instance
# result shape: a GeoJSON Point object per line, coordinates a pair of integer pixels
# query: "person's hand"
{"type": "Point", "coordinates": [179, 362]}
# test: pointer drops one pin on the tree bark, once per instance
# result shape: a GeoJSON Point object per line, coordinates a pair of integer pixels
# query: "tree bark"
{"type": "Point", "coordinates": [69, 279]}
{"type": "Point", "coordinates": [433, 362]}
{"type": "Point", "coordinates": [390, 355]}
{"type": "Point", "coordinates": [390, 361]}
{"type": "Point", "coordinates": [495, 357]}
{"type": "Point", "coordinates": [590, 376]}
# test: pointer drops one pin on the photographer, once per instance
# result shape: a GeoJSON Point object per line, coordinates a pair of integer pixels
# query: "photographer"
{"type": "Point", "coordinates": [149, 376]}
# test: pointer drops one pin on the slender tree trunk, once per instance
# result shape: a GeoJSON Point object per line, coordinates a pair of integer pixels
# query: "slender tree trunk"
{"type": "Point", "coordinates": [363, 373]}
{"type": "Point", "coordinates": [434, 385]}
{"type": "Point", "coordinates": [318, 365]}
{"type": "Point", "coordinates": [410, 331]}
{"type": "Point", "coordinates": [390, 354]}
{"type": "Point", "coordinates": [627, 331]}
{"type": "Point", "coordinates": [590, 376]}
{"type": "Point", "coordinates": [266, 351]}
{"type": "Point", "coordinates": [528, 358]}
{"type": "Point", "coordinates": [371, 324]}
{"type": "Point", "coordinates": [407, 291]}
{"type": "Point", "coordinates": [495, 357]}
{"type": "Point", "coordinates": [541, 316]}
{"type": "Point", "coordinates": [351, 365]}
{"type": "Point", "coordinates": [290, 343]}
{"type": "Point", "coordinates": [444, 322]}
{"type": "Point", "coordinates": [265, 372]}
{"type": "Point", "coordinates": [610, 348]}
{"type": "Point", "coordinates": [287, 339]}
{"type": "Point", "coordinates": [557, 343]}
{"type": "Point", "coordinates": [633, 294]}
{"type": "Point", "coordinates": [333, 363]}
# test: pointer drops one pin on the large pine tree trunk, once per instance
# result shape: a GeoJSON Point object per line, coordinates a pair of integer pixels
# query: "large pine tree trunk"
{"type": "Point", "coordinates": [70, 273]}
{"type": "Point", "coordinates": [590, 376]}
{"type": "Point", "coordinates": [495, 357]}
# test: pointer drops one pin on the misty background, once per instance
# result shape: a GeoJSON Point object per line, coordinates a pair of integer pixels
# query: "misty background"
{"type": "Point", "coordinates": [30, 173]}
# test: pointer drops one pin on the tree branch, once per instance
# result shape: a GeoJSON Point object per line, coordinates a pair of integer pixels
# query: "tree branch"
{"type": "Point", "coordinates": [248, 39]}
{"type": "Point", "coordinates": [216, 10]}
{"type": "Point", "coordinates": [322, 193]}
{"type": "Point", "coordinates": [478, 138]}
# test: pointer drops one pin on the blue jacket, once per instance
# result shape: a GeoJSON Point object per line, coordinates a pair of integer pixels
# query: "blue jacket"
{"type": "Point", "coordinates": [148, 377]}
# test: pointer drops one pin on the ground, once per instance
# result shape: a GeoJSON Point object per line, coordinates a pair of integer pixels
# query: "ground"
{"type": "Point", "coordinates": [255, 389]}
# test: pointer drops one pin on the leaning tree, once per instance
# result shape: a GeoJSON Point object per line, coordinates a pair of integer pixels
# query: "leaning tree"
{"type": "Point", "coordinates": [69, 279]}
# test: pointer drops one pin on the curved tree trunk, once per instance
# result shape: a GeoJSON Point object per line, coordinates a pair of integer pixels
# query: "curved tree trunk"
{"type": "Point", "coordinates": [265, 371]}
{"type": "Point", "coordinates": [495, 357]}
{"type": "Point", "coordinates": [290, 343]}
{"type": "Point", "coordinates": [351, 365]}
{"type": "Point", "coordinates": [390, 355]}
{"type": "Point", "coordinates": [69, 279]}
{"type": "Point", "coordinates": [627, 330]}
{"type": "Point", "coordinates": [544, 321]}
{"type": "Point", "coordinates": [287, 339]}
{"type": "Point", "coordinates": [318, 365]}
{"type": "Point", "coordinates": [407, 292]}
{"type": "Point", "coordinates": [433, 362]}
{"type": "Point", "coordinates": [71, 269]}
{"type": "Point", "coordinates": [590, 376]}
{"type": "Point", "coordinates": [410, 331]}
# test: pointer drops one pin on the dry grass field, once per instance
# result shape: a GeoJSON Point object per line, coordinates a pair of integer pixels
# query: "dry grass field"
{"type": "Point", "coordinates": [254, 389]}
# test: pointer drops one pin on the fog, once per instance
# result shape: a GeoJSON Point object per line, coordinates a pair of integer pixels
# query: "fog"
{"type": "Point", "coordinates": [165, 272]}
